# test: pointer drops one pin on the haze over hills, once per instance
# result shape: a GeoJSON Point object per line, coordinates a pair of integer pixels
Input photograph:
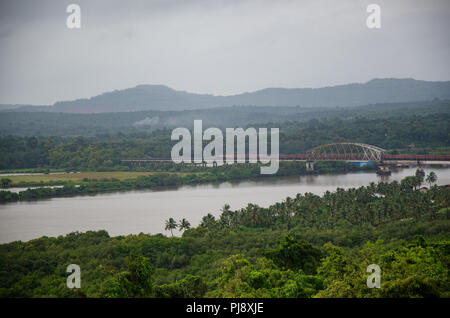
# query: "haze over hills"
{"type": "Point", "coordinates": [68, 124]}
{"type": "Point", "coordinates": [160, 97]}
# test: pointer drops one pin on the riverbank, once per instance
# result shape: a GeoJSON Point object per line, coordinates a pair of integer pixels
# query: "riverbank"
{"type": "Point", "coordinates": [35, 180]}
{"type": "Point", "coordinates": [294, 247]}
{"type": "Point", "coordinates": [145, 210]}
{"type": "Point", "coordinates": [88, 183]}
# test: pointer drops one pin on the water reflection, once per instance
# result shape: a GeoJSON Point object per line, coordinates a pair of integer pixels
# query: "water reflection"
{"type": "Point", "coordinates": [145, 211]}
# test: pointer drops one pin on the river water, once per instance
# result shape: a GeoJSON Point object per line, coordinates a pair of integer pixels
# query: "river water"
{"type": "Point", "coordinates": [132, 212]}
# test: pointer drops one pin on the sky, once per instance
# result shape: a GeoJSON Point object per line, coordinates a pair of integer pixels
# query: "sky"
{"type": "Point", "coordinates": [215, 47]}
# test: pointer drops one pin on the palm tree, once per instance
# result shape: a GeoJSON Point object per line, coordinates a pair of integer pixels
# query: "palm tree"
{"type": "Point", "coordinates": [208, 221]}
{"type": "Point", "coordinates": [431, 178]}
{"type": "Point", "coordinates": [170, 225]}
{"type": "Point", "coordinates": [184, 225]}
{"type": "Point", "coordinates": [420, 173]}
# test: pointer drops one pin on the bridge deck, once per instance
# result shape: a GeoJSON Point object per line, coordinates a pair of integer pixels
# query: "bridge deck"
{"type": "Point", "coordinates": [321, 157]}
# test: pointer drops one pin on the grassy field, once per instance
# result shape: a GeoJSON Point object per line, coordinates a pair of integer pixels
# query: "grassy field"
{"type": "Point", "coordinates": [78, 176]}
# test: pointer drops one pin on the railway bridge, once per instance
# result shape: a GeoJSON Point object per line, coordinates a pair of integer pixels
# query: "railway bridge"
{"type": "Point", "coordinates": [343, 151]}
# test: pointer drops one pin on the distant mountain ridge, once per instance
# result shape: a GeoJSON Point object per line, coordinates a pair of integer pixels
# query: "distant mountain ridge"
{"type": "Point", "coordinates": [160, 97]}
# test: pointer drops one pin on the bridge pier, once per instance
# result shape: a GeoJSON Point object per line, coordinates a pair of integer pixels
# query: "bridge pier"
{"type": "Point", "coordinates": [310, 166]}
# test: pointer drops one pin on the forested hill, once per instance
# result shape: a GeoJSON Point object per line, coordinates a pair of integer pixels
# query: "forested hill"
{"type": "Point", "coordinates": [159, 97]}
{"type": "Point", "coordinates": [66, 124]}
{"type": "Point", "coordinates": [412, 134]}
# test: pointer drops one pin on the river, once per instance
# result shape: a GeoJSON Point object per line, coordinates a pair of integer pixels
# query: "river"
{"type": "Point", "coordinates": [132, 212]}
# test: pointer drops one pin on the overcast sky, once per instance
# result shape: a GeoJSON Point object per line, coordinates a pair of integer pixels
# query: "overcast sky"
{"type": "Point", "coordinates": [216, 47]}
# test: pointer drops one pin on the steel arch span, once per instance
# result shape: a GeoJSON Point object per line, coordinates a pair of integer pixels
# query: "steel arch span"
{"type": "Point", "coordinates": [346, 151]}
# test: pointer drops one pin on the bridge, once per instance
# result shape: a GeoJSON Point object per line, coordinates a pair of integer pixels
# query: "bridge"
{"type": "Point", "coordinates": [344, 151]}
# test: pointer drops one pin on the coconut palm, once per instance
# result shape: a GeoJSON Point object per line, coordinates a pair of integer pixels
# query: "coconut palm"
{"type": "Point", "coordinates": [431, 178]}
{"type": "Point", "coordinates": [208, 221]}
{"type": "Point", "coordinates": [171, 224]}
{"type": "Point", "coordinates": [184, 225]}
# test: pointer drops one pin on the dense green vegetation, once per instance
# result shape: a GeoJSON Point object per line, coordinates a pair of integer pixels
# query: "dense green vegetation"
{"type": "Point", "coordinates": [422, 134]}
{"type": "Point", "coordinates": [89, 125]}
{"type": "Point", "coordinates": [306, 246]}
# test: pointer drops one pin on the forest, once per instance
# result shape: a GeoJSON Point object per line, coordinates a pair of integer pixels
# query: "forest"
{"type": "Point", "coordinates": [304, 246]}
{"type": "Point", "coordinates": [412, 134]}
{"type": "Point", "coordinates": [41, 123]}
